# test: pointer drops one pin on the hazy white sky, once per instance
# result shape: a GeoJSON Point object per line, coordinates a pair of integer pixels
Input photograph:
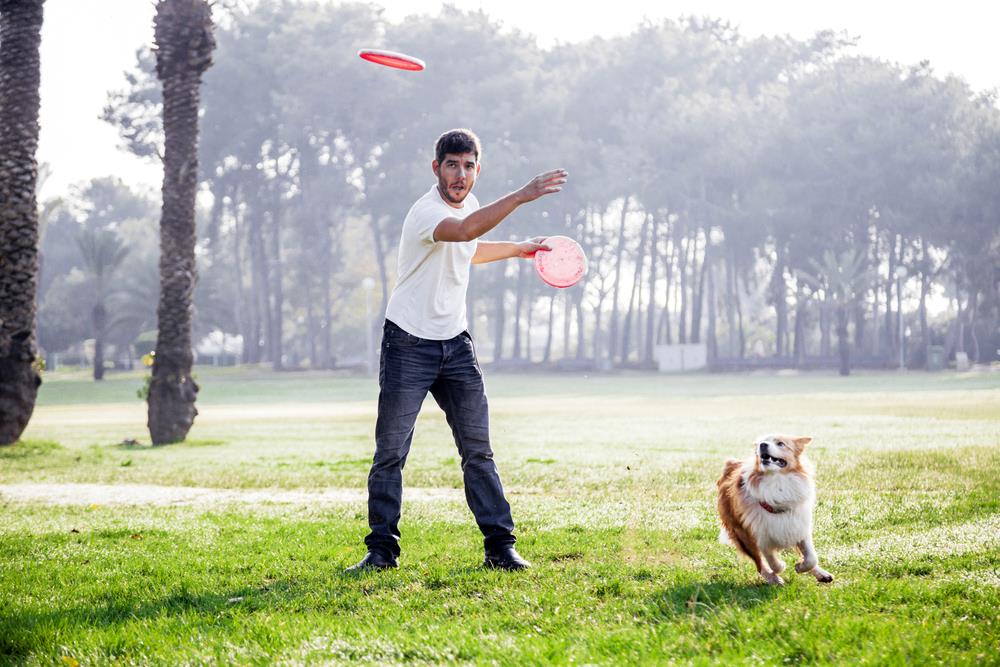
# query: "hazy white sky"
{"type": "Point", "coordinates": [87, 44]}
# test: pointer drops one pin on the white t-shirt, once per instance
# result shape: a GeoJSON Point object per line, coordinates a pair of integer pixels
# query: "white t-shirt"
{"type": "Point", "coordinates": [433, 276]}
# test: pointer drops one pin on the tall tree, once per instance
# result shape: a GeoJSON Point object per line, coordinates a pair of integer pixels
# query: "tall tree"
{"type": "Point", "coordinates": [103, 253]}
{"type": "Point", "coordinates": [20, 38]}
{"type": "Point", "coordinates": [184, 44]}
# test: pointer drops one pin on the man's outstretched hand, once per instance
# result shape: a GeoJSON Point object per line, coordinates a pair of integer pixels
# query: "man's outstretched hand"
{"type": "Point", "coordinates": [527, 249]}
{"type": "Point", "coordinates": [543, 184]}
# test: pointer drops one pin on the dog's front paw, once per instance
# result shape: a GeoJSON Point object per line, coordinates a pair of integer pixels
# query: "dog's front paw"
{"type": "Point", "coordinates": [822, 576]}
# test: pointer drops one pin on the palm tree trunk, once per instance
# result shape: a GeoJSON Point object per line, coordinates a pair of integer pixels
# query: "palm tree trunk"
{"type": "Point", "coordinates": [99, 317]}
{"type": "Point", "coordinates": [184, 44]}
{"type": "Point", "coordinates": [20, 37]}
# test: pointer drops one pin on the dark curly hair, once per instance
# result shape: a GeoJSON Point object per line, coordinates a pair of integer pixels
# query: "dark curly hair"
{"type": "Point", "coordinates": [457, 142]}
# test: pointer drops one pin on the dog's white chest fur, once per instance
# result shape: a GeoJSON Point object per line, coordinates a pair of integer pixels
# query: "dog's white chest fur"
{"type": "Point", "coordinates": [791, 495]}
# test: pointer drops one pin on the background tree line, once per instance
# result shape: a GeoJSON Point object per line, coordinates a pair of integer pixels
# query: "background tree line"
{"type": "Point", "coordinates": [758, 195]}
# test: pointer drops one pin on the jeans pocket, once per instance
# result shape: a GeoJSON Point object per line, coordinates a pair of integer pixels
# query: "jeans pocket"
{"type": "Point", "coordinates": [396, 337]}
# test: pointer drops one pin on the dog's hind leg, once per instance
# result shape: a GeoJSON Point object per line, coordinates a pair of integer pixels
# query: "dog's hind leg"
{"type": "Point", "coordinates": [753, 550]}
{"type": "Point", "coordinates": [810, 562]}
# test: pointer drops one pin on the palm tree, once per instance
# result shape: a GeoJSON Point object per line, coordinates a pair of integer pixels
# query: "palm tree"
{"type": "Point", "coordinates": [20, 37]}
{"type": "Point", "coordinates": [843, 278]}
{"type": "Point", "coordinates": [184, 43]}
{"type": "Point", "coordinates": [103, 253]}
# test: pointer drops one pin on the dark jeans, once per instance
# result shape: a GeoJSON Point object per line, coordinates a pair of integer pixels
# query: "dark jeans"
{"type": "Point", "coordinates": [408, 369]}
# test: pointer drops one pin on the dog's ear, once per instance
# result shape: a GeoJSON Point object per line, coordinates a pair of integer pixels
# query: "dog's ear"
{"type": "Point", "coordinates": [801, 441]}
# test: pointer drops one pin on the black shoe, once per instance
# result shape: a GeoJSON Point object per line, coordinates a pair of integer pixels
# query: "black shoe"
{"type": "Point", "coordinates": [373, 561]}
{"type": "Point", "coordinates": [505, 558]}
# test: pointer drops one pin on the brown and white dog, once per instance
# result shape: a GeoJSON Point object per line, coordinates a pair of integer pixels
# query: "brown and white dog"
{"type": "Point", "coordinates": [766, 505]}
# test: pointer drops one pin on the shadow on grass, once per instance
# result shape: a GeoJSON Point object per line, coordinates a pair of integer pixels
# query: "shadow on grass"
{"type": "Point", "coordinates": [705, 599]}
{"type": "Point", "coordinates": [23, 633]}
{"type": "Point", "coordinates": [28, 632]}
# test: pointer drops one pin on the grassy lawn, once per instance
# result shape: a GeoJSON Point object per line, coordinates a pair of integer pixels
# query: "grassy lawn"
{"type": "Point", "coordinates": [611, 479]}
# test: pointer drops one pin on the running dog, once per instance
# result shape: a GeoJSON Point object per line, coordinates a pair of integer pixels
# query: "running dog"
{"type": "Point", "coordinates": [766, 505]}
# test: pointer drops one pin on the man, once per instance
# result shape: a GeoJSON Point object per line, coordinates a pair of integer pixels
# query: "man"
{"type": "Point", "coordinates": [425, 347]}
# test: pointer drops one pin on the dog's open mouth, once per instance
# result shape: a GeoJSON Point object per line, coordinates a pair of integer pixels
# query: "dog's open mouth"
{"type": "Point", "coordinates": [767, 459]}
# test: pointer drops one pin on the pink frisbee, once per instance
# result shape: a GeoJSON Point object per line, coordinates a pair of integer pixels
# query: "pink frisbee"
{"type": "Point", "coordinates": [564, 265]}
{"type": "Point", "coordinates": [392, 59]}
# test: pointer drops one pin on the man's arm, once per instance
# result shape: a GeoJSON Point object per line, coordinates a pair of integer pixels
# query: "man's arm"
{"type": "Point", "coordinates": [486, 218]}
{"type": "Point", "coordinates": [492, 251]}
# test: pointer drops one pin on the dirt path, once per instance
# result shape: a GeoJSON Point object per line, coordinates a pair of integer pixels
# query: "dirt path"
{"type": "Point", "coordinates": [152, 494]}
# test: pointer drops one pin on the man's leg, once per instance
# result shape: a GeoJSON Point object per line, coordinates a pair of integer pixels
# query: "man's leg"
{"type": "Point", "coordinates": [460, 392]}
{"type": "Point", "coordinates": [407, 368]}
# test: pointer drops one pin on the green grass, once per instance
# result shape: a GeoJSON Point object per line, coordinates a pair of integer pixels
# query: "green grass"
{"type": "Point", "coordinates": [611, 479]}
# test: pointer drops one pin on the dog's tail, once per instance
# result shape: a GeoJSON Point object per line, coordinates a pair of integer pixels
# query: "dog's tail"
{"type": "Point", "coordinates": [732, 465]}
{"type": "Point", "coordinates": [724, 536]}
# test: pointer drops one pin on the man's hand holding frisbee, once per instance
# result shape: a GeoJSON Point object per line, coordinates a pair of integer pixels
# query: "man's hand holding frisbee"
{"type": "Point", "coordinates": [527, 249]}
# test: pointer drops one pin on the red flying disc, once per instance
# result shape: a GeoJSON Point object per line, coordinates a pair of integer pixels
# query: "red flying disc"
{"type": "Point", "coordinates": [392, 59]}
{"type": "Point", "coordinates": [564, 265]}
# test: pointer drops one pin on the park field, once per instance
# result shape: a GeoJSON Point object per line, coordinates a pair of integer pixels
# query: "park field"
{"type": "Point", "coordinates": [230, 548]}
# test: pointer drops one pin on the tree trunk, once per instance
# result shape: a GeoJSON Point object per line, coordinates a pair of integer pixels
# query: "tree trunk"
{"type": "Point", "coordinates": [699, 292]}
{"type": "Point", "coordinates": [636, 290]}
{"type": "Point", "coordinates": [567, 321]}
{"type": "Point", "coordinates": [843, 346]}
{"type": "Point", "coordinates": [648, 355]}
{"type": "Point", "coordinates": [518, 301]}
{"type": "Point", "coordinates": [664, 332]}
{"type": "Point", "coordinates": [326, 324]}
{"type": "Point", "coordinates": [619, 251]}
{"type": "Point", "coordinates": [277, 278]}
{"type": "Point", "coordinates": [891, 335]}
{"type": "Point", "coordinates": [925, 334]}
{"type": "Point", "coordinates": [99, 318]}
{"type": "Point", "coordinates": [739, 318]}
{"type": "Point", "coordinates": [383, 271]}
{"type": "Point", "coordinates": [711, 340]}
{"type": "Point", "coordinates": [548, 339]}
{"type": "Point", "coordinates": [825, 345]}
{"type": "Point", "coordinates": [311, 326]}
{"type": "Point", "coordinates": [730, 298]}
{"type": "Point", "coordinates": [20, 37]}
{"type": "Point", "coordinates": [682, 284]}
{"type": "Point", "coordinates": [239, 308]}
{"type": "Point", "coordinates": [259, 287]}
{"type": "Point", "coordinates": [778, 288]}
{"type": "Point", "coordinates": [500, 316]}
{"type": "Point", "coordinates": [529, 315]}
{"type": "Point", "coordinates": [470, 304]}
{"type": "Point", "coordinates": [799, 325]}
{"type": "Point", "coordinates": [973, 317]}
{"type": "Point", "coordinates": [184, 44]}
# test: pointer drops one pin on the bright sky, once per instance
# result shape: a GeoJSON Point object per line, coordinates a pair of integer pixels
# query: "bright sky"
{"type": "Point", "coordinates": [87, 44]}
